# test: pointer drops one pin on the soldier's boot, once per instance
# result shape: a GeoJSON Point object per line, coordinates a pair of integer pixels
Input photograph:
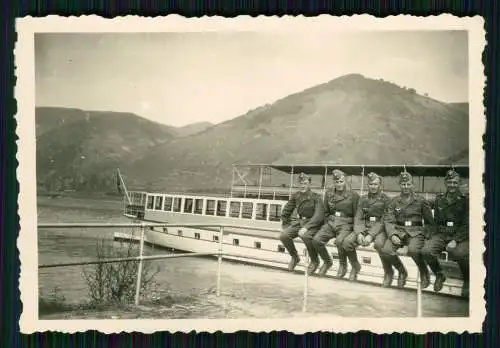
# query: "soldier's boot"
{"type": "Point", "coordinates": [327, 260]}
{"type": "Point", "coordinates": [313, 266]}
{"type": "Point", "coordinates": [356, 267]}
{"type": "Point", "coordinates": [290, 247]}
{"type": "Point", "coordinates": [294, 261]}
{"type": "Point", "coordinates": [438, 272]}
{"type": "Point", "coordinates": [424, 272]}
{"type": "Point", "coordinates": [402, 272]}
{"type": "Point", "coordinates": [464, 269]}
{"type": "Point", "coordinates": [342, 263]}
{"type": "Point", "coordinates": [388, 272]}
{"type": "Point", "coordinates": [313, 255]}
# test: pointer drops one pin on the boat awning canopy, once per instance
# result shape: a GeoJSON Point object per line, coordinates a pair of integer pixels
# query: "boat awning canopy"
{"type": "Point", "coordinates": [383, 170]}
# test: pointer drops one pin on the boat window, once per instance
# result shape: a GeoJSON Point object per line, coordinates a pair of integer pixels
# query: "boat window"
{"type": "Point", "coordinates": [150, 202]}
{"type": "Point", "coordinates": [281, 248]}
{"type": "Point", "coordinates": [177, 204]}
{"type": "Point", "coordinates": [257, 245]}
{"type": "Point", "coordinates": [261, 213]}
{"type": "Point", "coordinates": [236, 241]}
{"type": "Point", "coordinates": [367, 259]}
{"type": "Point", "coordinates": [247, 210]}
{"type": "Point", "coordinates": [275, 212]}
{"type": "Point", "coordinates": [179, 233]}
{"type": "Point", "coordinates": [198, 206]}
{"type": "Point", "coordinates": [188, 205]}
{"type": "Point", "coordinates": [197, 235]}
{"type": "Point", "coordinates": [215, 238]}
{"type": "Point", "coordinates": [158, 202]}
{"type": "Point", "coordinates": [168, 204]}
{"type": "Point", "coordinates": [234, 210]}
{"type": "Point", "coordinates": [221, 208]}
{"type": "Point", "coordinates": [210, 210]}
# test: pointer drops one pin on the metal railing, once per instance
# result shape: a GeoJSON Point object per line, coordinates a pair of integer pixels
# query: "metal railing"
{"type": "Point", "coordinates": [220, 253]}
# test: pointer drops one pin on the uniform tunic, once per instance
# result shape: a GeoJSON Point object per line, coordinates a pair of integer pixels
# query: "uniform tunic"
{"type": "Point", "coordinates": [369, 217]}
{"type": "Point", "coordinates": [404, 219]}
{"type": "Point", "coordinates": [340, 209]}
{"type": "Point", "coordinates": [310, 212]}
{"type": "Point", "coordinates": [451, 214]}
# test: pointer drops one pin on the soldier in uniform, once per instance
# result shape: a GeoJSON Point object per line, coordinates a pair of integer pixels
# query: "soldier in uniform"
{"type": "Point", "coordinates": [340, 206]}
{"type": "Point", "coordinates": [310, 213]}
{"type": "Point", "coordinates": [403, 223]}
{"type": "Point", "coordinates": [451, 213]}
{"type": "Point", "coordinates": [368, 222]}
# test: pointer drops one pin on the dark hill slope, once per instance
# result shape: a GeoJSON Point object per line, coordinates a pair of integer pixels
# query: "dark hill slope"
{"type": "Point", "coordinates": [349, 120]}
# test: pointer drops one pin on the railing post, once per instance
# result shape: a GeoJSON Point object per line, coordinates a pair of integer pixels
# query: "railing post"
{"type": "Point", "coordinates": [419, 295]}
{"type": "Point", "coordinates": [139, 268]}
{"type": "Point", "coordinates": [219, 266]}
{"type": "Point", "coordinates": [306, 285]}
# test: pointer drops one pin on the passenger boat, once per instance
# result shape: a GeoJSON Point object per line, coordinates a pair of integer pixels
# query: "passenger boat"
{"type": "Point", "coordinates": [256, 198]}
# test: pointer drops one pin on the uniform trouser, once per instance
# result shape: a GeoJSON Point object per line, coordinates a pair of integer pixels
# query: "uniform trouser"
{"type": "Point", "coordinates": [414, 244]}
{"type": "Point", "coordinates": [291, 232]}
{"type": "Point", "coordinates": [319, 242]}
{"type": "Point", "coordinates": [378, 244]}
{"type": "Point", "coordinates": [436, 244]}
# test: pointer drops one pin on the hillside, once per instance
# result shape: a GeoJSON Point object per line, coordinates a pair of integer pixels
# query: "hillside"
{"type": "Point", "coordinates": [192, 128]}
{"type": "Point", "coordinates": [79, 149]}
{"type": "Point", "coordinates": [349, 120]}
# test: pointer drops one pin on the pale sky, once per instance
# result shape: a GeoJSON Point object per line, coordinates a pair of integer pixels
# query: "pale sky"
{"type": "Point", "coordinates": [181, 78]}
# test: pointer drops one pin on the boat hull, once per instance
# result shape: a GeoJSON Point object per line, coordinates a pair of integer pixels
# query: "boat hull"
{"type": "Point", "coordinates": [263, 248]}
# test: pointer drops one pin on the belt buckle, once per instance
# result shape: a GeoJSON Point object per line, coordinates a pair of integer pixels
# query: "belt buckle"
{"type": "Point", "coordinates": [449, 223]}
{"type": "Point", "coordinates": [373, 218]}
{"type": "Point", "coordinates": [337, 213]}
{"type": "Point", "coordinates": [407, 223]}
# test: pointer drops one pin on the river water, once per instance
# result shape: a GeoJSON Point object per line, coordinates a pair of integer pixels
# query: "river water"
{"type": "Point", "coordinates": [249, 290]}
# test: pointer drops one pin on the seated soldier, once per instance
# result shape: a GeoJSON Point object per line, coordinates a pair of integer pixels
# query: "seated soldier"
{"type": "Point", "coordinates": [340, 206]}
{"type": "Point", "coordinates": [451, 213]}
{"type": "Point", "coordinates": [368, 223]}
{"type": "Point", "coordinates": [403, 224]}
{"type": "Point", "coordinates": [310, 213]}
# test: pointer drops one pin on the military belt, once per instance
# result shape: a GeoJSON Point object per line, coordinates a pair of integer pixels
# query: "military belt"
{"type": "Point", "coordinates": [447, 223]}
{"type": "Point", "coordinates": [409, 223]}
{"type": "Point", "coordinates": [340, 214]}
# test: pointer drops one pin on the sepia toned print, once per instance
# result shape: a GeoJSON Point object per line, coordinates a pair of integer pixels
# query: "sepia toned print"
{"type": "Point", "coordinates": [251, 174]}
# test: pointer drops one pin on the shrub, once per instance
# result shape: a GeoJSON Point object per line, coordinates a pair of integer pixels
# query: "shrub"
{"type": "Point", "coordinates": [116, 282]}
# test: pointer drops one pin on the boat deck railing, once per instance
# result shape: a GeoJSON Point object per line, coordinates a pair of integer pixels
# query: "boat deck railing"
{"type": "Point", "coordinates": [141, 257]}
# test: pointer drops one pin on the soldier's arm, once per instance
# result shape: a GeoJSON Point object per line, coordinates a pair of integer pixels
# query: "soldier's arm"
{"type": "Point", "coordinates": [328, 213]}
{"type": "Point", "coordinates": [319, 215]}
{"type": "Point", "coordinates": [390, 220]}
{"type": "Point", "coordinates": [359, 221]}
{"type": "Point", "coordinates": [288, 210]}
{"type": "Point", "coordinates": [430, 224]}
{"type": "Point", "coordinates": [462, 232]}
{"type": "Point", "coordinates": [355, 201]}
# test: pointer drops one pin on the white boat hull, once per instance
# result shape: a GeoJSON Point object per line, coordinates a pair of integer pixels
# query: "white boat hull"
{"type": "Point", "coordinates": [203, 241]}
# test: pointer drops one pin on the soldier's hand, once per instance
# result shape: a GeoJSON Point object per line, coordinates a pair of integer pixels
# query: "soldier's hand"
{"type": "Point", "coordinates": [302, 232]}
{"type": "Point", "coordinates": [395, 240]}
{"type": "Point", "coordinates": [361, 239]}
{"type": "Point", "coordinates": [368, 239]}
{"type": "Point", "coordinates": [452, 245]}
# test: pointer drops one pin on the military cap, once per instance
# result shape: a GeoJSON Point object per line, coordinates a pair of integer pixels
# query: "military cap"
{"type": "Point", "coordinates": [452, 174]}
{"type": "Point", "coordinates": [373, 177]}
{"type": "Point", "coordinates": [405, 177]}
{"type": "Point", "coordinates": [304, 177]}
{"type": "Point", "coordinates": [338, 174]}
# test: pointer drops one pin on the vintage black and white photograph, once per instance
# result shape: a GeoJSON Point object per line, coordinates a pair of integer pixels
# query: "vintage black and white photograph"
{"type": "Point", "coordinates": [276, 172]}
